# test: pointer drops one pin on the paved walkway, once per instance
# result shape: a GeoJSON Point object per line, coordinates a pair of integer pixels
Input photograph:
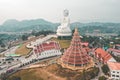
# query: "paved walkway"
{"type": "Point", "coordinates": [100, 70]}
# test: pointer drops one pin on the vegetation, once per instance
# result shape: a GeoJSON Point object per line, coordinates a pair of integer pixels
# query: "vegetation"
{"type": "Point", "coordinates": [1, 43]}
{"type": "Point", "coordinates": [3, 77]}
{"type": "Point", "coordinates": [117, 58]}
{"type": "Point", "coordinates": [63, 43]}
{"type": "Point", "coordinates": [56, 71]}
{"type": "Point", "coordinates": [24, 37]}
{"type": "Point", "coordinates": [26, 25]}
{"type": "Point", "coordinates": [74, 74]}
{"type": "Point", "coordinates": [23, 50]}
{"type": "Point", "coordinates": [41, 24]}
{"type": "Point", "coordinates": [29, 74]}
{"type": "Point", "coordinates": [102, 78]}
{"type": "Point", "coordinates": [105, 69]}
{"type": "Point", "coordinates": [6, 39]}
{"type": "Point", "coordinates": [42, 33]}
{"type": "Point", "coordinates": [90, 73]}
{"type": "Point", "coordinates": [15, 78]}
{"type": "Point", "coordinates": [35, 33]}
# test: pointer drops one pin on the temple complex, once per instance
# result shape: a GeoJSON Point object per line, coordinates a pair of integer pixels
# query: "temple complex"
{"type": "Point", "coordinates": [64, 29]}
{"type": "Point", "coordinates": [76, 55]}
{"type": "Point", "coordinates": [47, 49]}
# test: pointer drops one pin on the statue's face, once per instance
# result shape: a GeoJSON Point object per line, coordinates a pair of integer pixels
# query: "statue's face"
{"type": "Point", "coordinates": [66, 13]}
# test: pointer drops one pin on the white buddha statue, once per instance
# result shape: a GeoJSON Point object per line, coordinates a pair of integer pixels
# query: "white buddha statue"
{"type": "Point", "coordinates": [64, 28]}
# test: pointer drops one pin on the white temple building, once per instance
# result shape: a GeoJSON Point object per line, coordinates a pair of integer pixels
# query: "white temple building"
{"type": "Point", "coordinates": [114, 70]}
{"type": "Point", "coordinates": [47, 49]}
{"type": "Point", "coordinates": [64, 29]}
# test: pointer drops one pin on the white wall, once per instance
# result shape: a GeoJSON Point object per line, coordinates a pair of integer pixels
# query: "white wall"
{"type": "Point", "coordinates": [115, 74]}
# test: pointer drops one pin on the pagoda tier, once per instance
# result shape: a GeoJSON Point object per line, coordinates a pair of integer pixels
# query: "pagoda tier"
{"type": "Point", "coordinates": [75, 55]}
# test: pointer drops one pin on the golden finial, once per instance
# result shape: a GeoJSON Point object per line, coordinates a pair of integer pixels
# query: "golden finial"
{"type": "Point", "coordinates": [76, 30]}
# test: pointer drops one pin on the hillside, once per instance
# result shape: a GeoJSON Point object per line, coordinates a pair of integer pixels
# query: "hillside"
{"type": "Point", "coordinates": [41, 24]}
{"type": "Point", "coordinates": [27, 25]}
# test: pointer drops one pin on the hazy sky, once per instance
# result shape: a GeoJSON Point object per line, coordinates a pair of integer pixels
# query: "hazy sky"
{"type": "Point", "coordinates": [51, 10]}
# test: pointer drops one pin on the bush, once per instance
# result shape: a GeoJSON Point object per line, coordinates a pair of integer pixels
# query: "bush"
{"type": "Point", "coordinates": [89, 74]}
{"type": "Point", "coordinates": [24, 37]}
{"type": "Point", "coordinates": [105, 69]}
{"type": "Point", "coordinates": [93, 73]}
{"type": "Point", "coordinates": [102, 78]}
{"type": "Point", "coordinates": [15, 78]}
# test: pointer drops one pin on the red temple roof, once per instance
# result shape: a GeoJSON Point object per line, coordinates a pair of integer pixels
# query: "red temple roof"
{"type": "Point", "coordinates": [103, 54]}
{"type": "Point", "coordinates": [114, 50]}
{"type": "Point", "coordinates": [46, 46]}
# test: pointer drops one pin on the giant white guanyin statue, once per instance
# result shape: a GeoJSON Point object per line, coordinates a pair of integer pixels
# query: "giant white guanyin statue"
{"type": "Point", "coordinates": [64, 28]}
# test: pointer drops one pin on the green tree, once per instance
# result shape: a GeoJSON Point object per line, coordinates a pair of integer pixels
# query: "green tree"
{"type": "Point", "coordinates": [105, 69]}
{"type": "Point", "coordinates": [15, 78]}
{"type": "Point", "coordinates": [84, 74]}
{"type": "Point", "coordinates": [24, 37]}
{"type": "Point", "coordinates": [3, 76]}
{"type": "Point", "coordinates": [102, 78]}
{"type": "Point", "coordinates": [1, 43]}
{"type": "Point", "coordinates": [117, 58]}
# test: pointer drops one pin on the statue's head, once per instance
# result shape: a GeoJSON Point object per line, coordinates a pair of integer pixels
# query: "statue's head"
{"type": "Point", "coordinates": [65, 12]}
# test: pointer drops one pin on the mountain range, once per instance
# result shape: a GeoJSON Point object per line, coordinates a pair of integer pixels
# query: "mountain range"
{"type": "Point", "coordinates": [13, 25]}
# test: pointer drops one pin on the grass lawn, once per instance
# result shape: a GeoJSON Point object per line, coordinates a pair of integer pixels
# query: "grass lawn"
{"type": "Point", "coordinates": [23, 50]}
{"type": "Point", "coordinates": [63, 43]}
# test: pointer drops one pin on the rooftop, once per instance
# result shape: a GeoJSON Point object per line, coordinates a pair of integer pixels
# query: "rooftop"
{"type": "Point", "coordinates": [76, 54]}
{"type": "Point", "coordinates": [117, 44]}
{"type": "Point", "coordinates": [46, 46]}
{"type": "Point", "coordinates": [114, 65]}
{"type": "Point", "coordinates": [105, 55]}
{"type": "Point", "coordinates": [115, 50]}
{"type": "Point", "coordinates": [85, 44]}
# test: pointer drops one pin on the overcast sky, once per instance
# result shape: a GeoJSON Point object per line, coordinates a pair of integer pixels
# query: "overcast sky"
{"type": "Point", "coordinates": [51, 10]}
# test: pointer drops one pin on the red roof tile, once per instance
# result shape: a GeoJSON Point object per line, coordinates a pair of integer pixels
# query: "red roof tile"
{"type": "Point", "coordinates": [117, 44]}
{"type": "Point", "coordinates": [115, 50]}
{"type": "Point", "coordinates": [114, 65]}
{"type": "Point", "coordinates": [103, 54]}
{"type": "Point", "coordinates": [76, 54]}
{"type": "Point", "coordinates": [46, 46]}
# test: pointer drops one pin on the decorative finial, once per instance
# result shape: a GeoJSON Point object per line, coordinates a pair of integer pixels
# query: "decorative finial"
{"type": "Point", "coordinates": [76, 30]}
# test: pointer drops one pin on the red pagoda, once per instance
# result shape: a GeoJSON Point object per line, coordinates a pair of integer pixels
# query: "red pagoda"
{"type": "Point", "coordinates": [76, 55]}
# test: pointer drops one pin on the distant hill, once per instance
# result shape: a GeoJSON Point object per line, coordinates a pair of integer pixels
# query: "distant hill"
{"type": "Point", "coordinates": [41, 24]}
{"type": "Point", "coordinates": [26, 25]}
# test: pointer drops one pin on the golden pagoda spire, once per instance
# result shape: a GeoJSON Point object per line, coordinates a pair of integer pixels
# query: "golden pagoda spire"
{"type": "Point", "coordinates": [76, 31]}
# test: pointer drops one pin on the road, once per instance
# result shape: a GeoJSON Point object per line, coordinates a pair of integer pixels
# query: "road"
{"type": "Point", "coordinates": [25, 62]}
{"type": "Point", "coordinates": [10, 51]}
{"type": "Point", "coordinates": [32, 59]}
{"type": "Point", "coordinates": [100, 70]}
{"type": "Point", "coordinates": [17, 67]}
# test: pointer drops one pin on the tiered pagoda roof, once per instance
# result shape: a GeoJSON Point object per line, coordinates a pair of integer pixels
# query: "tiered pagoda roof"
{"type": "Point", "coordinates": [75, 55]}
